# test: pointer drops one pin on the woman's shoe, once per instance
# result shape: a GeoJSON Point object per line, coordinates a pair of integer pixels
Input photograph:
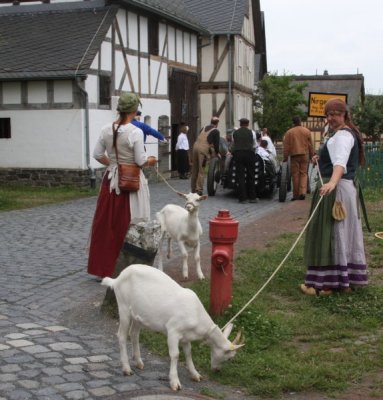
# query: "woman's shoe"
{"type": "Point", "coordinates": [310, 291]}
{"type": "Point", "coordinates": [346, 290]}
{"type": "Point", "coordinates": [325, 292]}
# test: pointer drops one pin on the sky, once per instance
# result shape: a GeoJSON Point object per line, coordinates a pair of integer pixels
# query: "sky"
{"type": "Point", "coordinates": [307, 37]}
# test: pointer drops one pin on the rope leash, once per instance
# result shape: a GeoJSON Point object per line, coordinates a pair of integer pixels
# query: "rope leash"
{"type": "Point", "coordinates": [281, 263]}
{"type": "Point", "coordinates": [164, 179]}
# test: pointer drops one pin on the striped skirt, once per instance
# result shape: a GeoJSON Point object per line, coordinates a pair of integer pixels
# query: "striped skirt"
{"type": "Point", "coordinates": [334, 250]}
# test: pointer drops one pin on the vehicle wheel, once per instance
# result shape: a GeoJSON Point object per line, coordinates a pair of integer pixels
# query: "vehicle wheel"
{"type": "Point", "coordinates": [285, 182]}
{"type": "Point", "coordinates": [213, 176]}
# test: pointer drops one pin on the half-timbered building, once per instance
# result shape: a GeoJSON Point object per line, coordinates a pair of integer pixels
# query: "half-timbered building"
{"type": "Point", "coordinates": [63, 66]}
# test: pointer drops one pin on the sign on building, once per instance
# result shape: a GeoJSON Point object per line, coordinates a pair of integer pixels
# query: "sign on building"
{"type": "Point", "coordinates": [317, 102]}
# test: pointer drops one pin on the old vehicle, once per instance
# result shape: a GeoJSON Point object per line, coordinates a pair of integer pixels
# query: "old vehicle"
{"type": "Point", "coordinates": [222, 171]}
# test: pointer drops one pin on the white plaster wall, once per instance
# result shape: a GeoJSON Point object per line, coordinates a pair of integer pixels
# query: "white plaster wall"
{"type": "Point", "coordinates": [193, 60]}
{"type": "Point", "coordinates": [187, 55]}
{"type": "Point", "coordinates": [11, 92]}
{"type": "Point", "coordinates": [106, 56]}
{"type": "Point", "coordinates": [171, 43]}
{"type": "Point", "coordinates": [207, 61]}
{"type": "Point", "coordinates": [37, 92]}
{"type": "Point", "coordinates": [144, 76]}
{"type": "Point", "coordinates": [163, 51]}
{"type": "Point", "coordinates": [179, 46]}
{"type": "Point", "coordinates": [162, 84]}
{"type": "Point", "coordinates": [143, 34]}
{"type": "Point", "coordinates": [91, 86]}
{"type": "Point", "coordinates": [132, 31]}
{"type": "Point", "coordinates": [44, 139]}
{"type": "Point", "coordinates": [206, 100]}
{"type": "Point", "coordinates": [62, 92]}
{"type": "Point", "coordinates": [121, 20]}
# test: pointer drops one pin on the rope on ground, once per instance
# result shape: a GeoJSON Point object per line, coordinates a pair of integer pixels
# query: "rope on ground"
{"type": "Point", "coordinates": [279, 266]}
{"type": "Point", "coordinates": [379, 235]}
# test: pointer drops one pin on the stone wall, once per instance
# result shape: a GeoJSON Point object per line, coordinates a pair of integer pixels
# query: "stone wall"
{"type": "Point", "coordinates": [60, 177]}
{"type": "Point", "coordinates": [47, 177]}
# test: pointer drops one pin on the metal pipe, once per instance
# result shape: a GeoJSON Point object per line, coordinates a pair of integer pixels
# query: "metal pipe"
{"type": "Point", "coordinates": [230, 105]}
{"type": "Point", "coordinates": [92, 176]}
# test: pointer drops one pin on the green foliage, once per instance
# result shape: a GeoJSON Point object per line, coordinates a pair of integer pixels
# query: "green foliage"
{"type": "Point", "coordinates": [277, 100]}
{"type": "Point", "coordinates": [369, 116]}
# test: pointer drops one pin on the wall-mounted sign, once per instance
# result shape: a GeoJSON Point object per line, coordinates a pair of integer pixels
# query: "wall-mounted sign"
{"type": "Point", "coordinates": [317, 102]}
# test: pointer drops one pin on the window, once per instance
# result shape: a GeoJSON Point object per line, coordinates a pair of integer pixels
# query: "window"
{"type": "Point", "coordinates": [5, 128]}
{"type": "Point", "coordinates": [153, 36]}
{"type": "Point", "coordinates": [104, 90]}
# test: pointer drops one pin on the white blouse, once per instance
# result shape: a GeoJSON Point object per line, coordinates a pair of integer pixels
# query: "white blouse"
{"type": "Point", "coordinates": [339, 147]}
{"type": "Point", "coordinates": [131, 149]}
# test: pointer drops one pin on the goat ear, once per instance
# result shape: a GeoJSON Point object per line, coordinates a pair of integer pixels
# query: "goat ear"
{"type": "Point", "coordinates": [204, 197]}
{"type": "Point", "coordinates": [235, 347]}
{"type": "Point", "coordinates": [226, 332]}
{"type": "Point", "coordinates": [238, 338]}
{"type": "Point", "coordinates": [181, 194]}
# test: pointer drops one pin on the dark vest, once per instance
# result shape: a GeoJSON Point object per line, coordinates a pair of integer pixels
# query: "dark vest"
{"type": "Point", "coordinates": [325, 164]}
{"type": "Point", "coordinates": [243, 139]}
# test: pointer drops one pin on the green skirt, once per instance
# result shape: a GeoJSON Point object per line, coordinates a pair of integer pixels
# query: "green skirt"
{"type": "Point", "coordinates": [318, 250]}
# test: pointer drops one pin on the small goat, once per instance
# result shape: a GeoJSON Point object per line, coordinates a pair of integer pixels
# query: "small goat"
{"type": "Point", "coordinates": [147, 297]}
{"type": "Point", "coordinates": [183, 226]}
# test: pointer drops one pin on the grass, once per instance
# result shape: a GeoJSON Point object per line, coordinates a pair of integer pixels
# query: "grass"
{"type": "Point", "coordinates": [19, 197]}
{"type": "Point", "coordinates": [296, 343]}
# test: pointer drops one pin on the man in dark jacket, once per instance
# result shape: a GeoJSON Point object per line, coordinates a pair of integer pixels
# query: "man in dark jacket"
{"type": "Point", "coordinates": [244, 158]}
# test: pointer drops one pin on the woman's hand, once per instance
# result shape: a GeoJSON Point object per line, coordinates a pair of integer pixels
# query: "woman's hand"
{"type": "Point", "coordinates": [314, 159]}
{"type": "Point", "coordinates": [151, 161]}
{"type": "Point", "coordinates": [327, 188]}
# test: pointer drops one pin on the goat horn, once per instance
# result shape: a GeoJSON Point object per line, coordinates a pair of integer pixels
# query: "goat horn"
{"type": "Point", "coordinates": [237, 338]}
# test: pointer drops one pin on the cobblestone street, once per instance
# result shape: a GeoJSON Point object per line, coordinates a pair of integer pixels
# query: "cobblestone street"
{"type": "Point", "coordinates": [54, 341]}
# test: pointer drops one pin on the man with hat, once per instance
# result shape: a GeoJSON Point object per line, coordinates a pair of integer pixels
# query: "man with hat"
{"type": "Point", "coordinates": [298, 144]}
{"type": "Point", "coordinates": [244, 159]}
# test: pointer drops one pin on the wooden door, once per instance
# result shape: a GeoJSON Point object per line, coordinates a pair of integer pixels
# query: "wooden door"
{"type": "Point", "coordinates": [183, 96]}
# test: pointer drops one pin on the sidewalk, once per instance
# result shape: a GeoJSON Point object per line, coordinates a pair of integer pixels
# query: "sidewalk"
{"type": "Point", "coordinates": [54, 342]}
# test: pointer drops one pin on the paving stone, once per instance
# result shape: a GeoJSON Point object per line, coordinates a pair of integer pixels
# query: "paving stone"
{"type": "Point", "coordinates": [76, 360]}
{"type": "Point", "coordinates": [15, 336]}
{"type": "Point", "coordinates": [36, 349]}
{"type": "Point", "coordinates": [20, 343]}
{"type": "Point", "coordinates": [29, 384]}
{"type": "Point", "coordinates": [65, 346]}
{"type": "Point", "coordinates": [102, 391]}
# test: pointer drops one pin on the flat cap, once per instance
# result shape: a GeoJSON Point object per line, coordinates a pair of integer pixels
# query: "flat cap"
{"type": "Point", "coordinates": [244, 121]}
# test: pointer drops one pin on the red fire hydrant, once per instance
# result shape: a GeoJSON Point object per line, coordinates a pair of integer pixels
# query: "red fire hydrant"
{"type": "Point", "coordinates": [223, 233]}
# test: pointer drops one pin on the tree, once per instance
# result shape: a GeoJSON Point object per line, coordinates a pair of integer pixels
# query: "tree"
{"type": "Point", "coordinates": [369, 116]}
{"type": "Point", "coordinates": [277, 100]}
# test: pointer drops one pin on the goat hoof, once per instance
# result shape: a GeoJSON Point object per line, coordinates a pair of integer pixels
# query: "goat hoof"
{"type": "Point", "coordinates": [140, 365]}
{"type": "Point", "coordinates": [197, 378]}
{"type": "Point", "coordinates": [176, 386]}
{"type": "Point", "coordinates": [127, 372]}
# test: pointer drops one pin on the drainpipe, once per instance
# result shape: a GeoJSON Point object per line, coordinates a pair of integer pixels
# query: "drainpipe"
{"type": "Point", "coordinates": [230, 106]}
{"type": "Point", "coordinates": [92, 176]}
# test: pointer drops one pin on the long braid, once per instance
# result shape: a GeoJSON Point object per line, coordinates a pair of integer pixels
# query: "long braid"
{"type": "Point", "coordinates": [121, 119]}
{"type": "Point", "coordinates": [359, 137]}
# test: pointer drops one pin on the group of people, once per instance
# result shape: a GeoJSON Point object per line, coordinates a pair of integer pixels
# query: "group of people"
{"type": "Point", "coordinates": [334, 252]}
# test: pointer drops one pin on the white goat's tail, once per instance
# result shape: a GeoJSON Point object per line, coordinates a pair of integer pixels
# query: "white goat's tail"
{"type": "Point", "coordinates": [108, 282]}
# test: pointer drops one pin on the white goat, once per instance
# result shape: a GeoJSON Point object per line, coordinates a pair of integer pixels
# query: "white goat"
{"type": "Point", "coordinates": [183, 226]}
{"type": "Point", "coordinates": [147, 297]}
